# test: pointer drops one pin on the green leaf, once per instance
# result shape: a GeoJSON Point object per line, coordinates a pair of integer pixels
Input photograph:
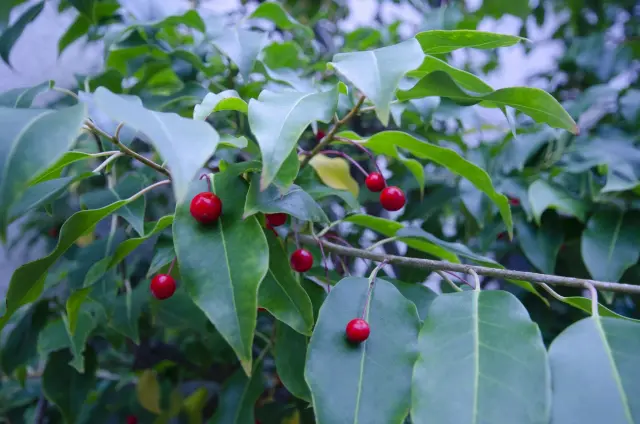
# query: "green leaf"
{"type": "Point", "coordinates": [179, 312]}
{"type": "Point", "coordinates": [222, 265]}
{"type": "Point", "coordinates": [377, 73]}
{"type": "Point", "coordinates": [544, 195]}
{"type": "Point", "coordinates": [89, 318]}
{"type": "Point", "coordinates": [55, 170]}
{"type": "Point", "coordinates": [19, 348]}
{"type": "Point", "coordinates": [190, 18]}
{"type": "Point", "coordinates": [242, 46]}
{"type": "Point", "coordinates": [185, 144]}
{"type": "Point", "coordinates": [274, 12]}
{"type": "Point", "coordinates": [281, 294]}
{"type": "Point", "coordinates": [126, 311]}
{"type": "Point", "coordinates": [536, 103]}
{"type": "Point", "coordinates": [483, 350]}
{"type": "Point", "coordinates": [148, 392]}
{"type": "Point", "coordinates": [441, 41]}
{"type": "Point", "coordinates": [278, 120]}
{"type": "Point", "coordinates": [225, 100]}
{"type": "Point", "coordinates": [10, 35]}
{"type": "Point", "coordinates": [387, 143]}
{"type": "Point", "coordinates": [597, 384]}
{"type": "Point", "coordinates": [420, 295]}
{"type": "Point", "coordinates": [585, 304]}
{"type": "Point", "coordinates": [78, 28]}
{"type": "Point", "coordinates": [65, 387]}
{"type": "Point", "coordinates": [74, 302]}
{"type": "Point", "coordinates": [290, 354]}
{"type": "Point", "coordinates": [163, 256]}
{"type": "Point", "coordinates": [319, 192]}
{"type": "Point", "coordinates": [288, 172]}
{"type": "Point", "coordinates": [86, 8]}
{"type": "Point", "coordinates": [23, 97]}
{"type": "Point", "coordinates": [238, 398]}
{"type": "Point", "coordinates": [295, 202]}
{"type": "Point", "coordinates": [465, 79]}
{"type": "Point", "coordinates": [31, 141]}
{"type": "Point", "coordinates": [5, 11]}
{"type": "Point", "coordinates": [540, 244]}
{"type": "Point", "coordinates": [375, 376]}
{"type": "Point", "coordinates": [335, 173]}
{"type": "Point", "coordinates": [610, 245]}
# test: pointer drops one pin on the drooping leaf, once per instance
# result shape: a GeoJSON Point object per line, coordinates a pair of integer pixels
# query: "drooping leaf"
{"type": "Point", "coordinates": [185, 144]}
{"type": "Point", "coordinates": [10, 35]}
{"type": "Point", "coordinates": [20, 345]}
{"type": "Point", "coordinates": [466, 80]}
{"type": "Point", "coordinates": [238, 398]}
{"type": "Point", "coordinates": [335, 173]}
{"type": "Point", "coordinates": [445, 41]}
{"type": "Point", "coordinates": [31, 141]}
{"type": "Point", "coordinates": [290, 354]}
{"type": "Point", "coordinates": [278, 120]}
{"type": "Point", "coordinates": [295, 202]}
{"type": "Point", "coordinates": [483, 350]}
{"type": "Point", "coordinates": [536, 103]}
{"type": "Point", "coordinates": [610, 245]}
{"type": "Point", "coordinates": [543, 196]}
{"type": "Point", "coordinates": [375, 376]}
{"type": "Point", "coordinates": [598, 384]}
{"type": "Point", "coordinates": [226, 100]}
{"type": "Point", "coordinates": [275, 12]}
{"type": "Point", "coordinates": [377, 73]}
{"type": "Point", "coordinates": [540, 244]}
{"type": "Point", "coordinates": [223, 264]}
{"type": "Point", "coordinates": [23, 97]}
{"type": "Point", "coordinates": [281, 294]}
{"type": "Point", "coordinates": [242, 46]}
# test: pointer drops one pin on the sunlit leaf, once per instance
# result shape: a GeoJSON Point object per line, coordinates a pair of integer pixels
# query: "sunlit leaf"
{"type": "Point", "coordinates": [439, 41]}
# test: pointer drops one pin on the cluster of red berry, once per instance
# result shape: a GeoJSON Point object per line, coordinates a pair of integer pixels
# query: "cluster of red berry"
{"type": "Point", "coordinates": [391, 198]}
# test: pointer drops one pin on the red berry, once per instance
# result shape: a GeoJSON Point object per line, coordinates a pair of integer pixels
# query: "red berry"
{"type": "Point", "coordinates": [132, 419]}
{"type": "Point", "coordinates": [502, 236]}
{"type": "Point", "coordinates": [261, 309]}
{"type": "Point", "coordinates": [276, 219]}
{"type": "Point", "coordinates": [206, 207]}
{"type": "Point", "coordinates": [53, 232]}
{"type": "Point", "coordinates": [375, 182]}
{"type": "Point", "coordinates": [163, 286]}
{"type": "Point", "coordinates": [358, 330]}
{"type": "Point", "coordinates": [301, 260]}
{"type": "Point", "coordinates": [514, 201]}
{"type": "Point", "coordinates": [392, 199]}
{"type": "Point", "coordinates": [320, 135]}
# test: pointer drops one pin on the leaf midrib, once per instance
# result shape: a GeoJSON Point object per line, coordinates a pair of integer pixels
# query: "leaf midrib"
{"type": "Point", "coordinates": [614, 237]}
{"type": "Point", "coordinates": [476, 348]}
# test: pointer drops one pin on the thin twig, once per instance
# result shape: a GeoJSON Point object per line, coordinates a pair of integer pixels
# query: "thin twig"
{"type": "Point", "coordinates": [448, 281]}
{"type": "Point", "coordinates": [481, 270]}
{"type": "Point", "coordinates": [364, 149]}
{"type": "Point", "coordinates": [347, 157]}
{"type": "Point", "coordinates": [107, 161]}
{"type": "Point", "coordinates": [594, 299]}
{"type": "Point", "coordinates": [380, 243]}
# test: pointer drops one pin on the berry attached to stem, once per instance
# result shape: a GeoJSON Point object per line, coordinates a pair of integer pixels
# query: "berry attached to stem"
{"type": "Point", "coordinates": [163, 286]}
{"type": "Point", "coordinates": [375, 182]}
{"type": "Point", "coordinates": [301, 260]}
{"type": "Point", "coordinates": [276, 219]}
{"type": "Point", "coordinates": [320, 135]}
{"type": "Point", "coordinates": [392, 199]}
{"type": "Point", "coordinates": [206, 207]}
{"type": "Point", "coordinates": [357, 330]}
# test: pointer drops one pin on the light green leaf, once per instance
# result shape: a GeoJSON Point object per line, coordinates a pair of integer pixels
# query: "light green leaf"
{"type": "Point", "coordinates": [335, 173]}
{"type": "Point", "coordinates": [185, 144]}
{"type": "Point", "coordinates": [375, 376]}
{"type": "Point", "coordinates": [148, 392]}
{"type": "Point", "coordinates": [465, 79]}
{"type": "Point", "coordinates": [278, 120]}
{"type": "Point", "coordinates": [540, 244]}
{"type": "Point", "coordinates": [223, 264]}
{"type": "Point", "coordinates": [290, 354]}
{"type": "Point", "coordinates": [543, 195]}
{"type": "Point", "coordinates": [10, 35]}
{"type": "Point", "coordinates": [23, 97]}
{"type": "Point", "coordinates": [598, 384]}
{"type": "Point", "coordinates": [225, 100]}
{"type": "Point", "coordinates": [610, 245]}
{"type": "Point", "coordinates": [242, 46]}
{"type": "Point", "coordinates": [441, 41]}
{"type": "Point", "coordinates": [482, 350]}
{"type": "Point", "coordinates": [288, 172]}
{"type": "Point", "coordinates": [238, 398]}
{"type": "Point", "coordinates": [74, 302]}
{"type": "Point", "coordinates": [536, 103]}
{"type": "Point", "coordinates": [377, 73]}
{"type": "Point", "coordinates": [55, 170]}
{"type": "Point", "coordinates": [281, 294]}
{"type": "Point", "coordinates": [275, 12]}
{"type": "Point", "coordinates": [585, 304]}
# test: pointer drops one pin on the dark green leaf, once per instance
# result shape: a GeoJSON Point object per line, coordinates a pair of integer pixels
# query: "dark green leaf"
{"type": "Point", "coordinates": [319, 192]}
{"type": "Point", "coordinates": [88, 319]}
{"type": "Point", "coordinates": [86, 8]}
{"type": "Point", "coordinates": [585, 304]}
{"type": "Point", "coordinates": [127, 309]}
{"type": "Point", "coordinates": [543, 196]}
{"type": "Point", "coordinates": [180, 312]}
{"type": "Point", "coordinates": [439, 41]}
{"type": "Point", "coordinates": [163, 256]}
{"type": "Point", "coordinates": [55, 170]}
{"type": "Point", "coordinates": [10, 35]}
{"type": "Point", "coordinates": [275, 12]}
{"type": "Point", "coordinates": [77, 29]}
{"type": "Point", "coordinates": [5, 11]}
{"type": "Point", "coordinates": [238, 398]}
{"type": "Point", "coordinates": [190, 18]}
{"type": "Point", "coordinates": [242, 46]}
{"type": "Point", "coordinates": [21, 343]}
{"type": "Point", "coordinates": [291, 352]}
{"type": "Point", "coordinates": [465, 79]}
{"type": "Point", "coordinates": [540, 244]}
{"type": "Point", "coordinates": [420, 295]}
{"type": "Point", "coordinates": [226, 100]}
{"type": "Point", "coordinates": [483, 350]}
{"type": "Point", "coordinates": [288, 172]}
{"type": "Point", "coordinates": [223, 264]}
{"type": "Point", "coordinates": [23, 97]}
{"type": "Point", "coordinates": [374, 384]}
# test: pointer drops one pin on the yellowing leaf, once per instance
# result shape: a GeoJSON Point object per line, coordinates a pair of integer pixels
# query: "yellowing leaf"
{"type": "Point", "coordinates": [148, 391]}
{"type": "Point", "coordinates": [293, 418]}
{"type": "Point", "coordinates": [85, 240]}
{"type": "Point", "coordinates": [194, 404]}
{"type": "Point", "coordinates": [334, 172]}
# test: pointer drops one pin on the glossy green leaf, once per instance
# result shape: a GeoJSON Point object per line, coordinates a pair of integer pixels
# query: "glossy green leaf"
{"type": "Point", "coordinates": [288, 172]}
{"type": "Point", "coordinates": [10, 35]}
{"type": "Point", "coordinates": [441, 41]}
{"type": "Point", "coordinates": [536, 103]}
{"type": "Point", "coordinates": [163, 257]}
{"type": "Point", "coordinates": [185, 144]}
{"type": "Point", "coordinates": [540, 244]}
{"type": "Point", "coordinates": [181, 313]}
{"type": "Point", "coordinates": [89, 317]}
{"type": "Point", "coordinates": [598, 384]}
{"type": "Point", "coordinates": [278, 120]}
{"type": "Point", "coordinates": [290, 354]}
{"type": "Point", "coordinates": [225, 100]}
{"type": "Point", "coordinates": [585, 304]}
{"type": "Point", "coordinates": [55, 170]}
{"type": "Point", "coordinates": [66, 388]}
{"type": "Point", "coordinates": [238, 398]}
{"type": "Point", "coordinates": [420, 295]}
{"type": "Point", "coordinates": [610, 245]}
{"type": "Point", "coordinates": [319, 192]}
{"type": "Point", "coordinates": [23, 97]}
{"type": "Point", "coordinates": [275, 12]}
{"type": "Point", "coordinates": [544, 195]}
{"type": "Point", "coordinates": [223, 264]}
{"type": "Point", "coordinates": [483, 350]}
{"type": "Point", "coordinates": [86, 8]}
{"type": "Point", "coordinates": [295, 202]}
{"type": "Point", "coordinates": [31, 141]}
{"type": "Point", "coordinates": [377, 73]}
{"type": "Point", "coordinates": [466, 80]}
{"type": "Point", "coordinates": [19, 348]}
{"type": "Point", "coordinates": [281, 294]}
{"type": "Point", "coordinates": [375, 376]}
{"type": "Point", "coordinates": [242, 46]}
{"type": "Point", "coordinates": [387, 143]}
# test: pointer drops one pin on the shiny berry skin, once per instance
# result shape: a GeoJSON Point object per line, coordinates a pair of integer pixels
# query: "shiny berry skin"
{"type": "Point", "coordinates": [375, 182]}
{"type": "Point", "coordinates": [163, 286]}
{"type": "Point", "coordinates": [514, 201]}
{"type": "Point", "coordinates": [301, 260]}
{"type": "Point", "coordinates": [392, 199]}
{"type": "Point", "coordinates": [320, 135]}
{"type": "Point", "coordinates": [132, 419]}
{"type": "Point", "coordinates": [206, 207]}
{"type": "Point", "coordinates": [276, 219]}
{"type": "Point", "coordinates": [357, 330]}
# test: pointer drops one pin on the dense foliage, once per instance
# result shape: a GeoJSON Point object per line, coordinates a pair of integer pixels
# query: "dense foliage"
{"type": "Point", "coordinates": [231, 206]}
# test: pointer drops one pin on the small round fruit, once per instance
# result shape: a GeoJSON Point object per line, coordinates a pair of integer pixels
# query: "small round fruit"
{"type": "Point", "coordinates": [358, 330]}
{"type": "Point", "coordinates": [301, 260]}
{"type": "Point", "coordinates": [375, 182]}
{"type": "Point", "coordinates": [163, 286]}
{"type": "Point", "coordinates": [206, 207]}
{"type": "Point", "coordinates": [276, 219]}
{"type": "Point", "coordinates": [514, 201]}
{"type": "Point", "coordinates": [392, 199]}
{"type": "Point", "coordinates": [132, 419]}
{"type": "Point", "coordinates": [320, 135]}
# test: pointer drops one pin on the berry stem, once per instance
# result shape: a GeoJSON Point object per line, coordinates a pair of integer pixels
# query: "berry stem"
{"type": "Point", "coordinates": [347, 157]}
{"type": "Point", "coordinates": [372, 280]}
{"type": "Point", "coordinates": [364, 149]}
{"type": "Point", "coordinates": [208, 181]}
{"type": "Point", "coordinates": [173, 262]}
{"type": "Point", "coordinates": [324, 260]}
